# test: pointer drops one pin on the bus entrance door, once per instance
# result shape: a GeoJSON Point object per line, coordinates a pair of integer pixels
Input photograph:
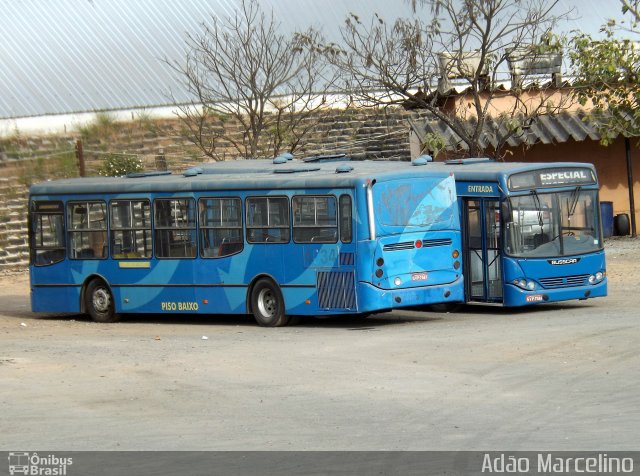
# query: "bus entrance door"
{"type": "Point", "coordinates": [482, 263]}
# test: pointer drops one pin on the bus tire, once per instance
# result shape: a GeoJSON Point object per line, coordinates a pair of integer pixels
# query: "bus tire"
{"type": "Point", "coordinates": [98, 302]}
{"type": "Point", "coordinates": [267, 304]}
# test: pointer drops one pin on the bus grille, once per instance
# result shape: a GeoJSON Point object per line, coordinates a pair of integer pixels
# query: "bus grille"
{"type": "Point", "coordinates": [346, 259]}
{"type": "Point", "coordinates": [336, 290]}
{"type": "Point", "coordinates": [565, 281]}
{"type": "Point", "coordinates": [409, 245]}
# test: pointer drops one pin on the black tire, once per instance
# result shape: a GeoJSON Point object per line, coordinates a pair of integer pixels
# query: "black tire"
{"type": "Point", "coordinates": [267, 304]}
{"type": "Point", "coordinates": [621, 224]}
{"type": "Point", "coordinates": [98, 302]}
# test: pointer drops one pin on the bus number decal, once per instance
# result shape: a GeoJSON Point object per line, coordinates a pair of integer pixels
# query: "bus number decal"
{"type": "Point", "coordinates": [179, 306]}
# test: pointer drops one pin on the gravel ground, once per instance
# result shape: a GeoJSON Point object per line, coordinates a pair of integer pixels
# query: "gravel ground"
{"type": "Point", "coordinates": [551, 377]}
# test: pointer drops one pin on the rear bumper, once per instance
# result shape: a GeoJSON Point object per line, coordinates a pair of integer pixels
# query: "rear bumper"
{"type": "Point", "coordinates": [514, 296]}
{"type": "Point", "coordinates": [371, 298]}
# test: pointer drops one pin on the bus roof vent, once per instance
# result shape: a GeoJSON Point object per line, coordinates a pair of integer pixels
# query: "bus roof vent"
{"type": "Point", "coordinates": [327, 158]}
{"type": "Point", "coordinates": [473, 160]}
{"type": "Point", "coordinates": [344, 168]}
{"type": "Point", "coordinates": [152, 173]}
{"type": "Point", "coordinates": [296, 170]}
{"type": "Point", "coordinates": [193, 171]}
{"type": "Point", "coordinates": [283, 158]}
{"type": "Point", "coordinates": [422, 160]}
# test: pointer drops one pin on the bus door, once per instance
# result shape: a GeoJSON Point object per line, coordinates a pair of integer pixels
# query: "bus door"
{"type": "Point", "coordinates": [482, 259]}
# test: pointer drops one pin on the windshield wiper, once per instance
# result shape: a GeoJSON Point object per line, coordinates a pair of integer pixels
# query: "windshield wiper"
{"type": "Point", "coordinates": [575, 195]}
{"type": "Point", "coordinates": [538, 205]}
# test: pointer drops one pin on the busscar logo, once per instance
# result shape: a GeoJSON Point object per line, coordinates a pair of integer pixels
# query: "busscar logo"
{"type": "Point", "coordinates": [560, 262]}
{"type": "Point", "coordinates": [22, 462]}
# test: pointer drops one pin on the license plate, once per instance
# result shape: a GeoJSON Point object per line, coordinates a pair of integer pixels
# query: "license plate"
{"type": "Point", "coordinates": [419, 277]}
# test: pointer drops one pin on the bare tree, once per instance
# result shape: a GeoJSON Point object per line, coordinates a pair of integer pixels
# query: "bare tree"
{"type": "Point", "coordinates": [411, 61]}
{"type": "Point", "coordinates": [607, 75]}
{"type": "Point", "coordinates": [632, 7]}
{"type": "Point", "coordinates": [245, 68]}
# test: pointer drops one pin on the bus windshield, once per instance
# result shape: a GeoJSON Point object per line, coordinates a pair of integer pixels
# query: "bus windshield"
{"type": "Point", "coordinates": [428, 203]}
{"type": "Point", "coordinates": [552, 224]}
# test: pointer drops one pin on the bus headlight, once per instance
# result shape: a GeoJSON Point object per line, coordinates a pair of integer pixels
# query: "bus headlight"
{"type": "Point", "coordinates": [592, 279]}
{"type": "Point", "coordinates": [524, 284]}
{"type": "Point", "coordinates": [596, 278]}
{"type": "Point", "coordinates": [599, 276]}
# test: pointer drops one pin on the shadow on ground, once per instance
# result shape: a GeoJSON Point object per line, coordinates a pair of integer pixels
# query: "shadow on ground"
{"type": "Point", "coordinates": [348, 322]}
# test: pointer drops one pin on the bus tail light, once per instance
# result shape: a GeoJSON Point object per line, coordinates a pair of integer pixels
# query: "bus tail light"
{"type": "Point", "coordinates": [455, 254]}
{"type": "Point", "coordinates": [418, 243]}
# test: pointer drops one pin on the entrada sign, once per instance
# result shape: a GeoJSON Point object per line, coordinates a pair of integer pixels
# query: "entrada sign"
{"type": "Point", "coordinates": [475, 189]}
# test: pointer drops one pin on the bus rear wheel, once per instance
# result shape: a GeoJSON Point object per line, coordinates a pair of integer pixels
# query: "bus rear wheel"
{"type": "Point", "coordinates": [267, 304]}
{"type": "Point", "coordinates": [98, 302]}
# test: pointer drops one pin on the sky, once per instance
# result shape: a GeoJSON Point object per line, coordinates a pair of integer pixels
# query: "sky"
{"type": "Point", "coordinates": [62, 56]}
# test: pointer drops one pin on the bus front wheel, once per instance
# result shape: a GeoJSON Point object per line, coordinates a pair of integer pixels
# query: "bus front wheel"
{"type": "Point", "coordinates": [267, 304]}
{"type": "Point", "coordinates": [99, 302]}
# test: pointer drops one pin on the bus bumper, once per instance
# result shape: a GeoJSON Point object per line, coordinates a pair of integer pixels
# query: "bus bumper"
{"type": "Point", "coordinates": [372, 299]}
{"type": "Point", "coordinates": [515, 296]}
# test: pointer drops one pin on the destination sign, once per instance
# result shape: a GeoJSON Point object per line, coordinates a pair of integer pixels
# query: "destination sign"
{"type": "Point", "coordinates": [47, 207]}
{"type": "Point", "coordinates": [551, 177]}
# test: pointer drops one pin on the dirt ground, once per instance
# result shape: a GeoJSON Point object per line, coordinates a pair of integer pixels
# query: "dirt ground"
{"type": "Point", "coordinates": [552, 377]}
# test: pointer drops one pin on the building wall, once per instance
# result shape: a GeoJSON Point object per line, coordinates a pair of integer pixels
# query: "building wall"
{"type": "Point", "coordinates": [610, 163]}
{"type": "Point", "coordinates": [24, 160]}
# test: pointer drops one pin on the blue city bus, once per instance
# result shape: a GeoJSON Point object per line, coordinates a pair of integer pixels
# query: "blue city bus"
{"type": "Point", "coordinates": [289, 239]}
{"type": "Point", "coordinates": [531, 231]}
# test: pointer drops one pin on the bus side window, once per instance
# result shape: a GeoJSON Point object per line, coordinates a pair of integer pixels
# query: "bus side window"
{"type": "Point", "coordinates": [130, 229]}
{"type": "Point", "coordinates": [267, 219]}
{"type": "Point", "coordinates": [314, 219]}
{"type": "Point", "coordinates": [47, 233]}
{"type": "Point", "coordinates": [220, 227]}
{"type": "Point", "coordinates": [87, 231]}
{"type": "Point", "coordinates": [346, 219]}
{"type": "Point", "coordinates": [175, 227]}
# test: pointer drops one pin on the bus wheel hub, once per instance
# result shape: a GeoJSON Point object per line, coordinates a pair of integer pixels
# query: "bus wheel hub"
{"type": "Point", "coordinates": [101, 300]}
{"type": "Point", "coordinates": [267, 302]}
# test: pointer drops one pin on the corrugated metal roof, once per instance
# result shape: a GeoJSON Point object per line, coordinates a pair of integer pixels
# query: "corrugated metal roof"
{"type": "Point", "coordinates": [546, 129]}
{"type": "Point", "coordinates": [71, 55]}
{"type": "Point", "coordinates": [67, 56]}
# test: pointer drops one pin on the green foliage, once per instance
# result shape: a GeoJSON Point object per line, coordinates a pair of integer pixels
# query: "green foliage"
{"type": "Point", "coordinates": [118, 165]}
{"type": "Point", "coordinates": [549, 43]}
{"type": "Point", "coordinates": [433, 143]}
{"type": "Point", "coordinates": [607, 73]}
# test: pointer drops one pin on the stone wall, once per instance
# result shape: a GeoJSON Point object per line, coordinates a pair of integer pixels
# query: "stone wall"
{"type": "Point", "coordinates": [26, 160]}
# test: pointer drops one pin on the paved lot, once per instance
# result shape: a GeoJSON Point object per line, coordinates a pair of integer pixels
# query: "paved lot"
{"type": "Point", "coordinates": [552, 377]}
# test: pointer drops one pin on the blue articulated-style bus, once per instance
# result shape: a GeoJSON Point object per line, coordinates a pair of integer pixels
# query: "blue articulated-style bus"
{"type": "Point", "coordinates": [531, 231]}
{"type": "Point", "coordinates": [284, 239]}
